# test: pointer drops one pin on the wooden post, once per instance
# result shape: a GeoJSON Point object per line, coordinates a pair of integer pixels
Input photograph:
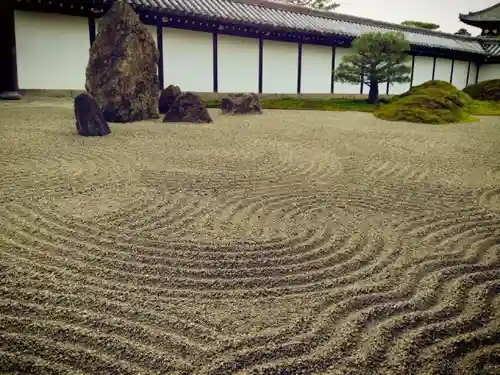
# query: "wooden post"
{"type": "Point", "coordinates": [8, 59]}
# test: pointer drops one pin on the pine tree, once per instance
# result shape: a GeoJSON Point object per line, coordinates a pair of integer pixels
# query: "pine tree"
{"type": "Point", "coordinates": [378, 57]}
{"type": "Point", "coordinates": [421, 25]}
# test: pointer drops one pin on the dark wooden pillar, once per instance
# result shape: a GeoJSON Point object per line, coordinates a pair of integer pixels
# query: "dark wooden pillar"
{"type": "Point", "coordinates": [8, 60]}
{"type": "Point", "coordinates": [261, 65]}
{"type": "Point", "coordinates": [433, 68]}
{"type": "Point", "coordinates": [215, 56]}
{"type": "Point", "coordinates": [159, 44]}
{"type": "Point", "coordinates": [332, 78]}
{"type": "Point", "coordinates": [299, 67]}
{"type": "Point", "coordinates": [452, 68]}
{"type": "Point", "coordinates": [412, 70]}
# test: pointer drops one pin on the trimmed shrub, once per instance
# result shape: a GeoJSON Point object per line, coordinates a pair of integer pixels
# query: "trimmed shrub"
{"type": "Point", "coordinates": [485, 90]}
{"type": "Point", "coordinates": [433, 102]}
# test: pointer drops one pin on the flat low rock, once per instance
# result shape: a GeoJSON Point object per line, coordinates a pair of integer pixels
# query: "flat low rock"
{"type": "Point", "coordinates": [241, 104]}
{"type": "Point", "coordinates": [90, 121]}
{"type": "Point", "coordinates": [188, 108]}
{"type": "Point", "coordinates": [168, 97]}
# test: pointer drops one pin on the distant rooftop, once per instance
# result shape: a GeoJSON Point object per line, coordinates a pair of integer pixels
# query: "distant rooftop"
{"type": "Point", "coordinates": [490, 14]}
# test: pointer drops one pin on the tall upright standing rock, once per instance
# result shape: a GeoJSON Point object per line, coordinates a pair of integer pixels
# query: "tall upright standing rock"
{"type": "Point", "coordinates": [122, 73]}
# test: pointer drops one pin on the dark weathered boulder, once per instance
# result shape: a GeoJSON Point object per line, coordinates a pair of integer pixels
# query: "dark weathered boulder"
{"type": "Point", "coordinates": [188, 108]}
{"type": "Point", "coordinates": [240, 104]}
{"type": "Point", "coordinates": [168, 96]}
{"type": "Point", "coordinates": [90, 121]}
{"type": "Point", "coordinates": [122, 70]}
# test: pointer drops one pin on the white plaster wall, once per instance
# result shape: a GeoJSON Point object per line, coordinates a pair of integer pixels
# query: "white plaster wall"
{"type": "Point", "coordinates": [489, 71]}
{"type": "Point", "coordinates": [52, 51]}
{"type": "Point", "coordinates": [345, 88]}
{"type": "Point", "coordinates": [188, 59]}
{"type": "Point", "coordinates": [443, 70]}
{"type": "Point", "coordinates": [238, 64]}
{"type": "Point", "coordinates": [316, 69]}
{"type": "Point", "coordinates": [422, 70]}
{"type": "Point", "coordinates": [460, 74]}
{"type": "Point", "coordinates": [280, 67]}
{"type": "Point", "coordinates": [472, 74]}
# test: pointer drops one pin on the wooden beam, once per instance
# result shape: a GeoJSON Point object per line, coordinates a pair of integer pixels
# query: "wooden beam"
{"type": "Point", "coordinates": [159, 43]}
{"type": "Point", "coordinates": [92, 29]}
{"type": "Point", "coordinates": [215, 51]}
{"type": "Point", "coordinates": [332, 67]}
{"type": "Point", "coordinates": [434, 68]}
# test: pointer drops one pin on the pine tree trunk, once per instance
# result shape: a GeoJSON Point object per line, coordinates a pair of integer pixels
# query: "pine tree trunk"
{"type": "Point", "coordinates": [373, 94]}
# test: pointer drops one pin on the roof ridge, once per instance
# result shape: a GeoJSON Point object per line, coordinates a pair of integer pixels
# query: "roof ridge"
{"type": "Point", "coordinates": [350, 18]}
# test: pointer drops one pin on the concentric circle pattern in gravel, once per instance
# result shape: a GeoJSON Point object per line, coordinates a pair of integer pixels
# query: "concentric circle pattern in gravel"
{"type": "Point", "coordinates": [288, 243]}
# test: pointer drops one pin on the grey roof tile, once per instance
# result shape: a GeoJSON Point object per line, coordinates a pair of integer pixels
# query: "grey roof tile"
{"type": "Point", "coordinates": [259, 12]}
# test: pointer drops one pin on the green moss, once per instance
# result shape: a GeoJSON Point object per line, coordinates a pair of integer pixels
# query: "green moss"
{"type": "Point", "coordinates": [433, 102]}
{"type": "Point", "coordinates": [316, 104]}
{"type": "Point", "coordinates": [485, 90]}
{"type": "Point", "coordinates": [485, 108]}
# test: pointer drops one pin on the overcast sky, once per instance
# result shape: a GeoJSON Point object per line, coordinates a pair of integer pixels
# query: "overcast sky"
{"type": "Point", "coordinates": [443, 12]}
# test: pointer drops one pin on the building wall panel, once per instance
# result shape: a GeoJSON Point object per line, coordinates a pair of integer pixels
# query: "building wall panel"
{"type": "Point", "coordinates": [188, 59]}
{"type": "Point", "coordinates": [489, 71]}
{"type": "Point", "coordinates": [443, 70]}
{"type": "Point", "coordinates": [460, 74]}
{"type": "Point", "coordinates": [344, 88]}
{"type": "Point", "coordinates": [238, 64]}
{"type": "Point", "coordinates": [316, 69]}
{"type": "Point", "coordinates": [422, 70]}
{"type": "Point", "coordinates": [52, 51]}
{"type": "Point", "coordinates": [280, 67]}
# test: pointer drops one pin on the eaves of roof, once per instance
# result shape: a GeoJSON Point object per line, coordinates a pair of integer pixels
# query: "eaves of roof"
{"type": "Point", "coordinates": [491, 13]}
{"type": "Point", "coordinates": [263, 13]}
{"type": "Point", "coordinates": [260, 12]}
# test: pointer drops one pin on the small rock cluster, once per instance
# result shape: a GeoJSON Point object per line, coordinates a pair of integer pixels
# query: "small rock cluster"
{"type": "Point", "coordinates": [181, 106]}
{"type": "Point", "coordinates": [241, 104]}
{"type": "Point", "coordinates": [122, 81]}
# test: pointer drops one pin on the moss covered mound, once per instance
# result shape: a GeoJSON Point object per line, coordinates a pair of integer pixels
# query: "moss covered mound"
{"type": "Point", "coordinates": [433, 102]}
{"type": "Point", "coordinates": [485, 90]}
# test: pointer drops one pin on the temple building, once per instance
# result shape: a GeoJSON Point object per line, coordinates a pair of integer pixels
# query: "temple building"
{"type": "Point", "coordinates": [230, 46]}
{"type": "Point", "coordinates": [488, 20]}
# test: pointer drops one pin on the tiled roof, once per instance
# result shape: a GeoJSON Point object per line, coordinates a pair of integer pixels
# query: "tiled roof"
{"type": "Point", "coordinates": [258, 12]}
{"type": "Point", "coordinates": [491, 13]}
